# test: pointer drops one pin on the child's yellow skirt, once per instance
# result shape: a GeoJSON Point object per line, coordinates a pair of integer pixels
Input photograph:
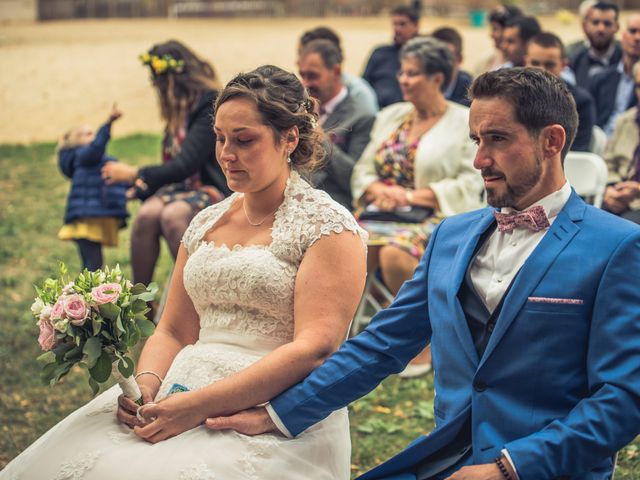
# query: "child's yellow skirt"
{"type": "Point", "coordinates": [102, 230]}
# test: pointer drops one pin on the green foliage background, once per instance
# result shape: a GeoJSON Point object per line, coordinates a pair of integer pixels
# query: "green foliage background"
{"type": "Point", "coordinates": [32, 198]}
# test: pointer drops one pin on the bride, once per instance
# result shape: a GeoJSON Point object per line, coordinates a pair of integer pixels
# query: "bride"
{"type": "Point", "coordinates": [264, 287]}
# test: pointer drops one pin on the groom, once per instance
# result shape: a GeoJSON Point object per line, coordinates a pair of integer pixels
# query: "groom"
{"type": "Point", "coordinates": [533, 317]}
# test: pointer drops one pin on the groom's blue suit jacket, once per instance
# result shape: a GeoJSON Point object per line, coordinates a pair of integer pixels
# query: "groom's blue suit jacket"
{"type": "Point", "coordinates": [558, 385]}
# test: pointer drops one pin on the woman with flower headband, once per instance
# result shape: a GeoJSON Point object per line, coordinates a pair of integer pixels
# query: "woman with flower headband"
{"type": "Point", "coordinates": [264, 288]}
{"type": "Point", "coordinates": [189, 178]}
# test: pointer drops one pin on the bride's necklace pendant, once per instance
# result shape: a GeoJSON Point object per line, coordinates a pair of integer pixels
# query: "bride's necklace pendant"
{"type": "Point", "coordinates": [253, 224]}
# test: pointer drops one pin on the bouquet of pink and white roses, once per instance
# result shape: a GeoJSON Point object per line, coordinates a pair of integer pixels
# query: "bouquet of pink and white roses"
{"type": "Point", "coordinates": [92, 321]}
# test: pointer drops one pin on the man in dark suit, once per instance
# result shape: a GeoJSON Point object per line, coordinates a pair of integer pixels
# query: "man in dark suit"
{"type": "Point", "coordinates": [600, 50]}
{"type": "Point", "coordinates": [384, 63]}
{"type": "Point", "coordinates": [345, 125]}
{"type": "Point", "coordinates": [546, 50]}
{"type": "Point", "coordinates": [613, 88]}
{"type": "Point", "coordinates": [460, 80]}
{"type": "Point", "coordinates": [531, 308]}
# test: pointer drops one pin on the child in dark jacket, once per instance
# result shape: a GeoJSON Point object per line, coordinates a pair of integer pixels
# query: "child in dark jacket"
{"type": "Point", "coordinates": [95, 211]}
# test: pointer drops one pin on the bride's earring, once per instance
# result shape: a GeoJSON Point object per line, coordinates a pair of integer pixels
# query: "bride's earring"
{"type": "Point", "coordinates": [289, 157]}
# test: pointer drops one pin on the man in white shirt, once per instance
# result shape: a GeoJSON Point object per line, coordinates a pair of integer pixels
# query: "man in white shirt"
{"type": "Point", "coordinates": [346, 127]}
{"type": "Point", "coordinates": [531, 307]}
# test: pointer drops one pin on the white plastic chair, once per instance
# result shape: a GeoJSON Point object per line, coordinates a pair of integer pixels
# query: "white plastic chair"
{"type": "Point", "coordinates": [587, 173]}
{"type": "Point", "coordinates": [598, 140]}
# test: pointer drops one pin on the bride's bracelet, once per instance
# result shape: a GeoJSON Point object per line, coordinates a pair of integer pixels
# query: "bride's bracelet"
{"type": "Point", "coordinates": [149, 372]}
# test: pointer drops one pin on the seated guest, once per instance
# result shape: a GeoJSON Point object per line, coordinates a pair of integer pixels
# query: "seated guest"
{"type": "Point", "coordinates": [583, 12]}
{"type": "Point", "coordinates": [546, 51]}
{"type": "Point", "coordinates": [622, 155]}
{"type": "Point", "coordinates": [189, 178]}
{"type": "Point", "coordinates": [600, 49]}
{"type": "Point", "coordinates": [612, 89]}
{"type": "Point", "coordinates": [517, 32]}
{"type": "Point", "coordinates": [346, 126]}
{"type": "Point", "coordinates": [359, 89]}
{"type": "Point", "coordinates": [460, 80]}
{"type": "Point", "coordinates": [384, 63]}
{"type": "Point", "coordinates": [497, 19]}
{"type": "Point", "coordinates": [419, 155]}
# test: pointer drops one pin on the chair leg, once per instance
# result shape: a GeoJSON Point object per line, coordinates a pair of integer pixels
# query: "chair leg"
{"type": "Point", "coordinates": [370, 302]}
{"type": "Point", "coordinates": [163, 300]}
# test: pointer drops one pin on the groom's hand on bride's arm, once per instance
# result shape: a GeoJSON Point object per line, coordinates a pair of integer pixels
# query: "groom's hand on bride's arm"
{"type": "Point", "coordinates": [253, 421]}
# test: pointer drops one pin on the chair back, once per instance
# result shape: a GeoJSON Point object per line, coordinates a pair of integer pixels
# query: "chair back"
{"type": "Point", "coordinates": [598, 140]}
{"type": "Point", "coordinates": [587, 173]}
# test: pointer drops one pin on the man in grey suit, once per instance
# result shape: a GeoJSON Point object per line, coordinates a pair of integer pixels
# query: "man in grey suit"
{"type": "Point", "coordinates": [346, 127]}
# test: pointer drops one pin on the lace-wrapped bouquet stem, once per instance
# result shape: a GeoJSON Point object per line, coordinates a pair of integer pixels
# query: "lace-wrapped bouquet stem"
{"type": "Point", "coordinates": [92, 321]}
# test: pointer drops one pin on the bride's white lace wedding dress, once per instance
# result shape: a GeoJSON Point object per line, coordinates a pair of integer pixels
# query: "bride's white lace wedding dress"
{"type": "Point", "coordinates": [244, 297]}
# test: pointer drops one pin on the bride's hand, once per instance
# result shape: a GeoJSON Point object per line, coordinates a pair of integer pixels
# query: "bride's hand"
{"type": "Point", "coordinates": [253, 421]}
{"type": "Point", "coordinates": [127, 408]}
{"type": "Point", "coordinates": [170, 417]}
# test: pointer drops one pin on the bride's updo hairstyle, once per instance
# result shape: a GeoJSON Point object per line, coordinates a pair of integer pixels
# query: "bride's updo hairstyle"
{"type": "Point", "coordinates": [283, 103]}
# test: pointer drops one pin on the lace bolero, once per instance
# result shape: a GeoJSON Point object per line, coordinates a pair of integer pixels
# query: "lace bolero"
{"type": "Point", "coordinates": [249, 289]}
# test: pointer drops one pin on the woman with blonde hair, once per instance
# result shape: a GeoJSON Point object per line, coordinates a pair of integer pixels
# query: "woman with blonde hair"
{"type": "Point", "coordinates": [189, 178]}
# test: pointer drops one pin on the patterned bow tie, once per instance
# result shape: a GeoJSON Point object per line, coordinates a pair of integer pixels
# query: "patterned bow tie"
{"type": "Point", "coordinates": [534, 219]}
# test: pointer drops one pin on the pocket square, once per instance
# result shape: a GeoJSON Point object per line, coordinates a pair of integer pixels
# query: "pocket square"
{"type": "Point", "coordinates": [566, 301]}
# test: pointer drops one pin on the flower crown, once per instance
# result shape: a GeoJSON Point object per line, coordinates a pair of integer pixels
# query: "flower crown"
{"type": "Point", "coordinates": [164, 64]}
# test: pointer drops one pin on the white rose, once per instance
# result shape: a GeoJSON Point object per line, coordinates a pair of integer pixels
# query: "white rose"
{"type": "Point", "coordinates": [68, 288]}
{"type": "Point", "coordinates": [37, 306]}
{"type": "Point", "coordinates": [45, 313]}
{"type": "Point", "coordinates": [61, 324]}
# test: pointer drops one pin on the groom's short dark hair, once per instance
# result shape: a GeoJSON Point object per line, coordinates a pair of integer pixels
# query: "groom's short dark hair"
{"type": "Point", "coordinates": [538, 98]}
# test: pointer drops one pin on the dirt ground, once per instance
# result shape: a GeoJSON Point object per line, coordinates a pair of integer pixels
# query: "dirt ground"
{"type": "Point", "coordinates": [55, 75]}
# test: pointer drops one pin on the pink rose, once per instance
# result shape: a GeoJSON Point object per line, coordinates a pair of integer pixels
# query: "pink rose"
{"type": "Point", "coordinates": [57, 312]}
{"type": "Point", "coordinates": [47, 337]}
{"type": "Point", "coordinates": [76, 309]}
{"type": "Point", "coordinates": [107, 293]}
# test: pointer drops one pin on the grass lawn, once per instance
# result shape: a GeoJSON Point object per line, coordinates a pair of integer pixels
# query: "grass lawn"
{"type": "Point", "coordinates": [32, 196]}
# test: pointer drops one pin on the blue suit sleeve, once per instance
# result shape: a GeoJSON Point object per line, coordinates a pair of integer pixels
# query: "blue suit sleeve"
{"type": "Point", "coordinates": [609, 417]}
{"type": "Point", "coordinates": [394, 336]}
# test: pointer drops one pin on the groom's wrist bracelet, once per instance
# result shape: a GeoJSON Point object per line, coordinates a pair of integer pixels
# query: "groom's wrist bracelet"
{"type": "Point", "coordinates": [503, 470]}
{"type": "Point", "coordinates": [149, 372]}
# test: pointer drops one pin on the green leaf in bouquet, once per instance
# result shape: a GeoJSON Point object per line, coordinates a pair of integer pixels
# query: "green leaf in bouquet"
{"type": "Point", "coordinates": [61, 350]}
{"type": "Point", "coordinates": [47, 357]}
{"type": "Point", "coordinates": [60, 372]}
{"type": "Point", "coordinates": [138, 305]}
{"type": "Point", "coordinates": [107, 335]}
{"type": "Point", "coordinates": [141, 316]}
{"type": "Point", "coordinates": [125, 366]}
{"type": "Point", "coordinates": [95, 386]}
{"type": "Point", "coordinates": [109, 311]}
{"type": "Point", "coordinates": [146, 296]}
{"type": "Point", "coordinates": [73, 355]}
{"type": "Point", "coordinates": [135, 336]}
{"type": "Point", "coordinates": [47, 372]}
{"type": "Point", "coordinates": [138, 289]}
{"type": "Point", "coordinates": [101, 371]}
{"type": "Point", "coordinates": [119, 325]}
{"type": "Point", "coordinates": [96, 325]}
{"type": "Point", "coordinates": [146, 327]}
{"type": "Point", "coordinates": [92, 349]}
